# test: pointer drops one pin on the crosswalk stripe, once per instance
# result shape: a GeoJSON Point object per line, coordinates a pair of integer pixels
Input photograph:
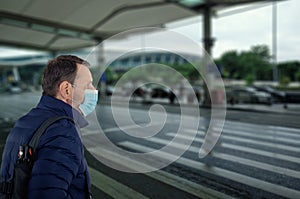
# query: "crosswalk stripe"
{"type": "Point", "coordinates": [260, 184]}
{"type": "Point", "coordinates": [112, 187]}
{"type": "Point", "coordinates": [273, 137]}
{"type": "Point", "coordinates": [254, 141]}
{"type": "Point", "coordinates": [261, 126]}
{"type": "Point", "coordinates": [260, 165]}
{"type": "Point", "coordinates": [263, 131]}
{"type": "Point", "coordinates": [286, 129]}
{"type": "Point", "coordinates": [264, 166]}
{"type": "Point", "coordinates": [264, 128]}
{"type": "Point", "coordinates": [241, 128]}
{"type": "Point", "coordinates": [133, 126]}
{"type": "Point", "coordinates": [246, 149]}
{"type": "Point", "coordinates": [262, 143]}
{"type": "Point", "coordinates": [162, 176]}
{"type": "Point", "coordinates": [262, 153]}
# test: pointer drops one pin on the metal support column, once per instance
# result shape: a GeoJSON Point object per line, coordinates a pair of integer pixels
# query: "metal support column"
{"type": "Point", "coordinates": [207, 39]}
{"type": "Point", "coordinates": [208, 43]}
{"type": "Point", "coordinates": [100, 65]}
{"type": "Point", "coordinates": [274, 41]}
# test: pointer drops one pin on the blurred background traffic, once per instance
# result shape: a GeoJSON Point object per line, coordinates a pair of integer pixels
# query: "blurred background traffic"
{"type": "Point", "coordinates": [252, 44]}
{"type": "Point", "coordinates": [23, 73]}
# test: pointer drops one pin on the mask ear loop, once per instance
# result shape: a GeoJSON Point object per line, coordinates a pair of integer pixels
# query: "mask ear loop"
{"type": "Point", "coordinates": [72, 100]}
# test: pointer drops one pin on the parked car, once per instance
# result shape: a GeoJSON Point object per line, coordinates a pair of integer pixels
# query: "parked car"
{"type": "Point", "coordinates": [109, 90]}
{"type": "Point", "coordinates": [140, 91]}
{"type": "Point", "coordinates": [162, 92]}
{"type": "Point", "coordinates": [14, 87]}
{"type": "Point", "coordinates": [248, 95]}
{"type": "Point", "coordinates": [154, 91]}
{"type": "Point", "coordinates": [292, 97]}
{"type": "Point", "coordinates": [199, 92]}
{"type": "Point", "coordinates": [277, 96]}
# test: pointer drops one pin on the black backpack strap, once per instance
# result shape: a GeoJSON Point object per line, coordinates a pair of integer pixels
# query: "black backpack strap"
{"type": "Point", "coordinates": [6, 188]}
{"type": "Point", "coordinates": [37, 135]}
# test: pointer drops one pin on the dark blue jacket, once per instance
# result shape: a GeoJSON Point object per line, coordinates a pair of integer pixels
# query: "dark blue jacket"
{"type": "Point", "coordinates": [60, 170]}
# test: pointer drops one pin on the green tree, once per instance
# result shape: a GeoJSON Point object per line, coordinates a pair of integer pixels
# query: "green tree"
{"type": "Point", "coordinates": [290, 69]}
{"type": "Point", "coordinates": [230, 63]}
{"type": "Point", "coordinates": [188, 71]}
{"type": "Point", "coordinates": [261, 62]}
{"type": "Point", "coordinates": [249, 79]}
{"type": "Point", "coordinates": [254, 62]}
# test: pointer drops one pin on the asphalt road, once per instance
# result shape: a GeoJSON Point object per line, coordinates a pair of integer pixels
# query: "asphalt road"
{"type": "Point", "coordinates": [257, 155]}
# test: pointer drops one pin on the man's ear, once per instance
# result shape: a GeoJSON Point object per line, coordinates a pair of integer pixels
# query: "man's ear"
{"type": "Point", "coordinates": [65, 91]}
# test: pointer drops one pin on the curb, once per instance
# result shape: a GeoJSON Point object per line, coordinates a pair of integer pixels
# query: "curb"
{"type": "Point", "coordinates": [262, 111]}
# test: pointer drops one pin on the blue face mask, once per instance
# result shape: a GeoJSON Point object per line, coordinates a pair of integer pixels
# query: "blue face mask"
{"type": "Point", "coordinates": [90, 101]}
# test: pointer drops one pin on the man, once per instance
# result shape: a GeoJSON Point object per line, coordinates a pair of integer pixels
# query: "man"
{"type": "Point", "coordinates": [60, 170]}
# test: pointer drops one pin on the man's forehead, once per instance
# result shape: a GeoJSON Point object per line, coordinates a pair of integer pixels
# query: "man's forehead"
{"type": "Point", "coordinates": [83, 72]}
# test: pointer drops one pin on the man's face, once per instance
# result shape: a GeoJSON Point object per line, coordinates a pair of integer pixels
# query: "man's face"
{"type": "Point", "coordinates": [82, 82]}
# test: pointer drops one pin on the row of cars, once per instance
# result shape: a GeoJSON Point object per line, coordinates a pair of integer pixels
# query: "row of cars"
{"type": "Point", "coordinates": [153, 91]}
{"type": "Point", "coordinates": [234, 94]}
{"type": "Point", "coordinates": [149, 92]}
{"type": "Point", "coordinates": [255, 94]}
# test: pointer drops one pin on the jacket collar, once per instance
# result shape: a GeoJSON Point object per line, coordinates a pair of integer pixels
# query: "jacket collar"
{"type": "Point", "coordinates": [59, 107]}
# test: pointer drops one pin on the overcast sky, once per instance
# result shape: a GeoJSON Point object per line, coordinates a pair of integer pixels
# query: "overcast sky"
{"type": "Point", "coordinates": [245, 29]}
{"type": "Point", "coordinates": [240, 31]}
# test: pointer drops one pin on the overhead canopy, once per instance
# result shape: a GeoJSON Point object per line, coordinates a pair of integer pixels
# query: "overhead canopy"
{"type": "Point", "coordinates": [70, 24]}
